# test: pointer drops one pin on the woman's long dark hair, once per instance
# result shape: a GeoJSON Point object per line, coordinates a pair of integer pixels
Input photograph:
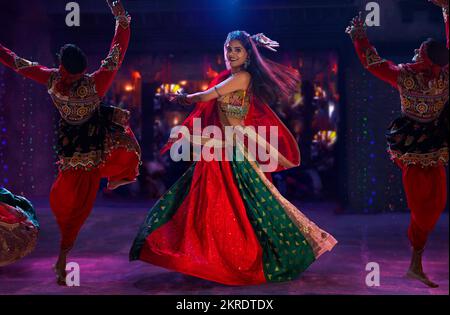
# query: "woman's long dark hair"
{"type": "Point", "coordinates": [271, 81]}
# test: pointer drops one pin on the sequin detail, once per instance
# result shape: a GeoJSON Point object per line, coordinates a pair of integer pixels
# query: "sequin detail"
{"type": "Point", "coordinates": [81, 101]}
{"type": "Point", "coordinates": [235, 104]}
{"type": "Point", "coordinates": [422, 100]}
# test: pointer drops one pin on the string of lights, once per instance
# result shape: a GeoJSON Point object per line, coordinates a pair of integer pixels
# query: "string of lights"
{"type": "Point", "coordinates": [374, 181]}
{"type": "Point", "coordinates": [4, 180]}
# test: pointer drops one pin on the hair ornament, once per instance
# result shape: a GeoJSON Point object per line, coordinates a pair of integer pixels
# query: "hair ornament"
{"type": "Point", "coordinates": [263, 41]}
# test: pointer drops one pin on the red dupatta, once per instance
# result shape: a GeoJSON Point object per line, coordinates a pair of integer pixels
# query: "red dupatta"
{"type": "Point", "coordinates": [259, 115]}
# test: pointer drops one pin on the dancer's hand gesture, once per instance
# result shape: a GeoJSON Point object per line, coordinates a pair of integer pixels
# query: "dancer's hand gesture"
{"type": "Point", "coordinates": [357, 27]}
{"type": "Point", "coordinates": [116, 7]}
{"type": "Point", "coordinates": [356, 22]}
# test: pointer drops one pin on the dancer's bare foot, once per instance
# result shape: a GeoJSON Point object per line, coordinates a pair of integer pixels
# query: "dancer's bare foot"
{"type": "Point", "coordinates": [422, 277]}
{"type": "Point", "coordinates": [416, 270]}
{"type": "Point", "coordinates": [60, 268]}
{"type": "Point", "coordinates": [116, 184]}
{"type": "Point", "coordinates": [60, 272]}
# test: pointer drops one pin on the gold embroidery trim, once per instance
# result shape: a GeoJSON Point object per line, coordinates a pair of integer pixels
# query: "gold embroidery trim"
{"type": "Point", "coordinates": [89, 160]}
{"type": "Point", "coordinates": [77, 107]}
{"type": "Point", "coordinates": [421, 100]}
{"type": "Point", "coordinates": [235, 105]}
{"type": "Point", "coordinates": [21, 63]}
{"type": "Point", "coordinates": [424, 159]}
{"type": "Point", "coordinates": [373, 58]}
{"type": "Point", "coordinates": [111, 62]}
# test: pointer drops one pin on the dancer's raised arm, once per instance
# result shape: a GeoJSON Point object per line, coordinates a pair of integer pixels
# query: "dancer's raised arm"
{"type": "Point", "coordinates": [383, 69]}
{"type": "Point", "coordinates": [28, 69]}
{"type": "Point", "coordinates": [111, 64]}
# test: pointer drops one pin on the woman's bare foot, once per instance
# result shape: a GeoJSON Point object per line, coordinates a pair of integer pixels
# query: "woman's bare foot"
{"type": "Point", "coordinates": [416, 270]}
{"type": "Point", "coordinates": [116, 184]}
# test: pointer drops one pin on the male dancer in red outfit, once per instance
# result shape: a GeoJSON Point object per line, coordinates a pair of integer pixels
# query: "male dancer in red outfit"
{"type": "Point", "coordinates": [95, 141]}
{"type": "Point", "coordinates": [418, 140]}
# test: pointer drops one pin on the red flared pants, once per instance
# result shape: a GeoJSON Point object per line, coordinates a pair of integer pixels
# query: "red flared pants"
{"type": "Point", "coordinates": [73, 193]}
{"type": "Point", "coordinates": [426, 194]}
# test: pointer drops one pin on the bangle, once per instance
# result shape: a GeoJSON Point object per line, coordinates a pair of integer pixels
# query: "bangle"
{"type": "Point", "coordinates": [217, 91]}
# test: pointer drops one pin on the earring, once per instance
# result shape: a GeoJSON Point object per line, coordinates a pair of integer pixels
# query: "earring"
{"type": "Point", "coordinates": [247, 63]}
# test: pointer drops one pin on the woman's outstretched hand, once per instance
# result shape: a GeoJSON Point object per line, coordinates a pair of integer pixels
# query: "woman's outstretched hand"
{"type": "Point", "coordinates": [177, 98]}
{"type": "Point", "coordinates": [116, 7]}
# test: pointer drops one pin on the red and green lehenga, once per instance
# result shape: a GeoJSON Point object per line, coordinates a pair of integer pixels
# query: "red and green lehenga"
{"type": "Point", "coordinates": [225, 221]}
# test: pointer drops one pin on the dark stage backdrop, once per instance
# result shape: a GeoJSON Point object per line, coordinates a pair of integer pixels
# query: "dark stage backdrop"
{"type": "Point", "coordinates": [27, 118]}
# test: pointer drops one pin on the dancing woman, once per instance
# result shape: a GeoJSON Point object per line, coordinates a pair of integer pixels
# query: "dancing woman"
{"type": "Point", "coordinates": [418, 140]}
{"type": "Point", "coordinates": [224, 220]}
{"type": "Point", "coordinates": [94, 141]}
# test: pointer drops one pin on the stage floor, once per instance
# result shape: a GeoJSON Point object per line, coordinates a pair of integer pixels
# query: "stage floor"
{"type": "Point", "coordinates": [104, 242]}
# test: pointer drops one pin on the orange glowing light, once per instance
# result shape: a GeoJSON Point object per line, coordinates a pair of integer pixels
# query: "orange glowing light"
{"type": "Point", "coordinates": [326, 137]}
{"type": "Point", "coordinates": [136, 75]}
{"type": "Point", "coordinates": [183, 83]}
{"type": "Point", "coordinates": [204, 87]}
{"type": "Point", "coordinates": [171, 88]}
{"type": "Point", "coordinates": [128, 87]}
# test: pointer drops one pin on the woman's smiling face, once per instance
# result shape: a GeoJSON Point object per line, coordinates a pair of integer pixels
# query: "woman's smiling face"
{"type": "Point", "coordinates": [235, 53]}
